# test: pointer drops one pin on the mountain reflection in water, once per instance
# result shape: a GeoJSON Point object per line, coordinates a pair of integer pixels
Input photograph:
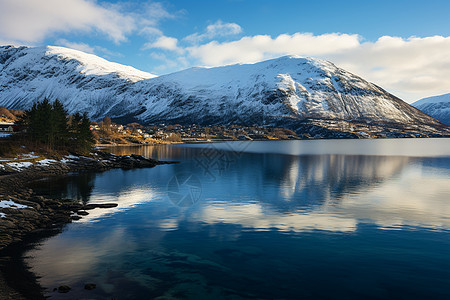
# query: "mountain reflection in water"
{"type": "Point", "coordinates": [264, 225]}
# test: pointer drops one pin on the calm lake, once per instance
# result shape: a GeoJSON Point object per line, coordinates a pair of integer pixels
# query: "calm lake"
{"type": "Point", "coordinates": [330, 219]}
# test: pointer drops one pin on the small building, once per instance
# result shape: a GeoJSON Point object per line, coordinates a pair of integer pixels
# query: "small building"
{"type": "Point", "coordinates": [8, 127]}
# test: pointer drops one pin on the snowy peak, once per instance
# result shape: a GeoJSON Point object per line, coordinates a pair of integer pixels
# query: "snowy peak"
{"type": "Point", "coordinates": [84, 63]}
{"type": "Point", "coordinates": [437, 106]}
{"type": "Point", "coordinates": [289, 86]}
{"type": "Point", "coordinates": [82, 81]}
{"type": "Point", "coordinates": [432, 100]}
{"type": "Point", "coordinates": [93, 65]}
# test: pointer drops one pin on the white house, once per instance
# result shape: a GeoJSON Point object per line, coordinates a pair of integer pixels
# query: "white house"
{"type": "Point", "coordinates": [6, 127]}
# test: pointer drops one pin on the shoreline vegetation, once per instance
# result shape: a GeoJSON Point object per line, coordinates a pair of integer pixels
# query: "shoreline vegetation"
{"type": "Point", "coordinates": [106, 133]}
{"type": "Point", "coordinates": [24, 214]}
{"type": "Point", "coordinates": [41, 143]}
{"type": "Point", "coordinates": [22, 211]}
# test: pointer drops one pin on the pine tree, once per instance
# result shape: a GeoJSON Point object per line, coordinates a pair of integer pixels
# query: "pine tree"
{"type": "Point", "coordinates": [59, 124]}
{"type": "Point", "coordinates": [81, 134]}
{"type": "Point", "coordinates": [38, 122]}
{"type": "Point", "coordinates": [49, 124]}
{"type": "Point", "coordinates": [86, 139]}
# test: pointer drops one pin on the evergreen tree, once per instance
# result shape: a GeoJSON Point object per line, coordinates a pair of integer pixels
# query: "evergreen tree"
{"type": "Point", "coordinates": [37, 121]}
{"type": "Point", "coordinates": [81, 134]}
{"type": "Point", "coordinates": [49, 124]}
{"type": "Point", "coordinates": [58, 122]}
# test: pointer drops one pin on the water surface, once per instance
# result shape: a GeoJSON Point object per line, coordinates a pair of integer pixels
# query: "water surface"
{"type": "Point", "coordinates": [344, 219]}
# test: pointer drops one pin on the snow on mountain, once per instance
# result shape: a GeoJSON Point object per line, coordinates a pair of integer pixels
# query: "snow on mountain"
{"type": "Point", "coordinates": [281, 92]}
{"type": "Point", "coordinates": [94, 65]}
{"type": "Point", "coordinates": [83, 82]}
{"type": "Point", "coordinates": [287, 87]}
{"type": "Point", "coordinates": [438, 107]}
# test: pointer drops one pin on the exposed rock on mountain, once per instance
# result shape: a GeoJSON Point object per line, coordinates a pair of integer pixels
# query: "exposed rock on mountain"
{"type": "Point", "coordinates": [311, 96]}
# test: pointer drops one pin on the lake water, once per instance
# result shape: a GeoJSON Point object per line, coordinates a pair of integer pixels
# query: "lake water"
{"type": "Point", "coordinates": [335, 219]}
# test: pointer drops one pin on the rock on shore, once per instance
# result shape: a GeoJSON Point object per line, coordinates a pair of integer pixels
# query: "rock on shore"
{"type": "Point", "coordinates": [22, 212]}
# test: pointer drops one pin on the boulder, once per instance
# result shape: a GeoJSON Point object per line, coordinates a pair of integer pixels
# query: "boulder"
{"type": "Point", "coordinates": [64, 289]}
{"type": "Point", "coordinates": [90, 286]}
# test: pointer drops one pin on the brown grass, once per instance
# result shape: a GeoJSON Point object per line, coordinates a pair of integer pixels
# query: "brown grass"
{"type": "Point", "coordinates": [16, 145]}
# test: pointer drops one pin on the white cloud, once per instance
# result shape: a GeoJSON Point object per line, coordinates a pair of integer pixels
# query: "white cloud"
{"type": "Point", "coordinates": [165, 43]}
{"type": "Point", "coordinates": [31, 21]}
{"type": "Point", "coordinates": [88, 49]}
{"type": "Point", "coordinates": [255, 48]}
{"type": "Point", "coordinates": [150, 31]}
{"type": "Point", "coordinates": [77, 46]}
{"type": "Point", "coordinates": [158, 56]}
{"type": "Point", "coordinates": [10, 42]}
{"type": "Point", "coordinates": [218, 29]}
{"type": "Point", "coordinates": [151, 15]}
{"type": "Point", "coordinates": [410, 68]}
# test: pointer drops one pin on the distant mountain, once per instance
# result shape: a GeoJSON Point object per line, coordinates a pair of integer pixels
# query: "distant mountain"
{"type": "Point", "coordinates": [311, 96]}
{"type": "Point", "coordinates": [438, 107]}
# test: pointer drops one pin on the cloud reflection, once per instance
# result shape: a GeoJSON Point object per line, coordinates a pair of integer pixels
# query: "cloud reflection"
{"type": "Point", "coordinates": [253, 216]}
{"type": "Point", "coordinates": [126, 200]}
{"type": "Point", "coordinates": [411, 201]}
{"type": "Point", "coordinates": [345, 191]}
{"type": "Point", "coordinates": [262, 192]}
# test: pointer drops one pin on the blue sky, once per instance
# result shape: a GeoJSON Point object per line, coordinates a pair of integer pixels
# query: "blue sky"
{"type": "Point", "coordinates": [401, 45]}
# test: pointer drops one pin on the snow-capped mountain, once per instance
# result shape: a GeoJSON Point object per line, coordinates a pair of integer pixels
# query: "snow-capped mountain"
{"type": "Point", "coordinates": [300, 93]}
{"type": "Point", "coordinates": [438, 107]}
{"type": "Point", "coordinates": [83, 82]}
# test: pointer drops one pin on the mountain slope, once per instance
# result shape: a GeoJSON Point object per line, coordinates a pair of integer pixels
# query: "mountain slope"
{"type": "Point", "coordinates": [291, 87]}
{"type": "Point", "coordinates": [308, 95]}
{"type": "Point", "coordinates": [83, 82]}
{"type": "Point", "coordinates": [438, 107]}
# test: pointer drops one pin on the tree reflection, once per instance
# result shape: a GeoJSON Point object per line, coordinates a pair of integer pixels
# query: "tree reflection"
{"type": "Point", "coordinates": [77, 187]}
{"type": "Point", "coordinates": [80, 187]}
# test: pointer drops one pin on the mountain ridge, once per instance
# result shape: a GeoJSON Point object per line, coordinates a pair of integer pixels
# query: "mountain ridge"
{"type": "Point", "coordinates": [436, 106]}
{"type": "Point", "coordinates": [289, 91]}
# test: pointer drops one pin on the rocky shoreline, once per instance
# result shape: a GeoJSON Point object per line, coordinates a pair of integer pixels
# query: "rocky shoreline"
{"type": "Point", "coordinates": [23, 213]}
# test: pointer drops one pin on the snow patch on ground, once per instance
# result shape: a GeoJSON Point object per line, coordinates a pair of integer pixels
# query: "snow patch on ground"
{"type": "Point", "coordinates": [46, 162]}
{"type": "Point", "coordinates": [69, 157]}
{"type": "Point", "coordinates": [11, 204]}
{"type": "Point", "coordinates": [2, 215]}
{"type": "Point", "coordinates": [20, 165]}
{"type": "Point", "coordinates": [363, 134]}
{"type": "Point", "coordinates": [29, 155]}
